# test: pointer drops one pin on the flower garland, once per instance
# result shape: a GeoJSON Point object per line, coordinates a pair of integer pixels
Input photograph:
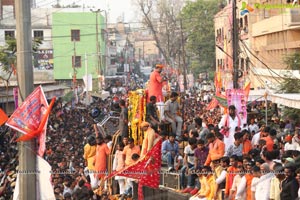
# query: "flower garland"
{"type": "Point", "coordinates": [136, 114]}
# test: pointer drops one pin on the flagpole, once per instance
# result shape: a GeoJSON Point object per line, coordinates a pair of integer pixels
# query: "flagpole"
{"type": "Point", "coordinates": [27, 156]}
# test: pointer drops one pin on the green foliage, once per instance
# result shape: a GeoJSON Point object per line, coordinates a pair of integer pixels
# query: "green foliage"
{"type": "Point", "coordinates": [293, 61]}
{"type": "Point", "coordinates": [291, 85]}
{"type": "Point", "coordinates": [8, 54]}
{"type": "Point", "coordinates": [198, 23]}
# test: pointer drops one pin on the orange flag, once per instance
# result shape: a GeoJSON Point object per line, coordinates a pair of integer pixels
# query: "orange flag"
{"type": "Point", "coordinates": [247, 90]}
{"type": "Point", "coordinates": [31, 117]}
{"type": "Point", "coordinates": [212, 104]}
{"type": "Point", "coordinates": [3, 117]}
{"type": "Point", "coordinates": [41, 126]}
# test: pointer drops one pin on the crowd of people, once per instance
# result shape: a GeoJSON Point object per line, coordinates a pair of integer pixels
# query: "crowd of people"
{"type": "Point", "coordinates": [216, 155]}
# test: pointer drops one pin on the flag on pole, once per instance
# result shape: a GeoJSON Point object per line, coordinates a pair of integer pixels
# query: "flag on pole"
{"type": "Point", "coordinates": [31, 117]}
{"type": "Point", "coordinates": [3, 117]}
{"type": "Point", "coordinates": [247, 90]}
{"type": "Point", "coordinates": [212, 104]}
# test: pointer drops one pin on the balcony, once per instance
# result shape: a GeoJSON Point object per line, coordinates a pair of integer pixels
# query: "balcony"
{"type": "Point", "coordinates": [289, 19]}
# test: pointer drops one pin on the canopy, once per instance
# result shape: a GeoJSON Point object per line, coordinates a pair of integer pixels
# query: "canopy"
{"type": "Point", "coordinates": [288, 99]}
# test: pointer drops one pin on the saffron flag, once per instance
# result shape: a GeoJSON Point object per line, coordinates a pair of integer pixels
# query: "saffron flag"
{"type": "Point", "coordinates": [27, 117]}
{"type": "Point", "coordinates": [212, 104]}
{"type": "Point", "coordinates": [3, 117]}
{"type": "Point", "coordinates": [31, 117]}
{"type": "Point", "coordinates": [247, 90]}
{"type": "Point", "coordinates": [146, 170]}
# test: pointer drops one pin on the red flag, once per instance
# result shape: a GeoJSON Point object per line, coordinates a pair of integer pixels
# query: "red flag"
{"type": "Point", "coordinates": [31, 117]}
{"type": "Point", "coordinates": [146, 169]}
{"type": "Point", "coordinates": [3, 117]}
{"type": "Point", "coordinates": [212, 104]}
{"type": "Point", "coordinates": [42, 125]}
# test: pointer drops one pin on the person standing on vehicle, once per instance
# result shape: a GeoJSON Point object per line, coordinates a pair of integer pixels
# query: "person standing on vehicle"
{"type": "Point", "coordinates": [155, 88]}
{"type": "Point", "coordinates": [123, 120]}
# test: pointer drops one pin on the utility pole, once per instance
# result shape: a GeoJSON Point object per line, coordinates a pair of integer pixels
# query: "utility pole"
{"type": "Point", "coordinates": [183, 58]}
{"type": "Point", "coordinates": [98, 49]}
{"type": "Point", "coordinates": [74, 66]}
{"type": "Point", "coordinates": [87, 97]}
{"type": "Point", "coordinates": [235, 46]}
{"type": "Point", "coordinates": [27, 156]}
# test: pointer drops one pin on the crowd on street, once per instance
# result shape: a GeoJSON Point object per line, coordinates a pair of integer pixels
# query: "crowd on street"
{"type": "Point", "coordinates": [218, 156]}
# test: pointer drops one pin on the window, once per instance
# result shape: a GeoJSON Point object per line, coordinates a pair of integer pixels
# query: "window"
{"type": "Point", "coordinates": [76, 61]}
{"type": "Point", "coordinates": [38, 35]}
{"type": "Point", "coordinates": [75, 35]}
{"type": "Point", "coordinates": [9, 35]}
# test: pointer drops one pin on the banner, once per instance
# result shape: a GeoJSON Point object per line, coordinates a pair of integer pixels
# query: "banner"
{"type": "Point", "coordinates": [27, 117]}
{"type": "Point", "coordinates": [237, 98]}
{"type": "Point", "coordinates": [31, 118]}
{"type": "Point", "coordinates": [146, 170]}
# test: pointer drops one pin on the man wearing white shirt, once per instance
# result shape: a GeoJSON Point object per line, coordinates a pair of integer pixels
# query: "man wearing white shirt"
{"type": "Point", "coordinates": [289, 145]}
{"type": "Point", "coordinates": [229, 122]}
{"type": "Point", "coordinates": [255, 180]}
{"type": "Point", "coordinates": [262, 189]}
{"type": "Point", "coordinates": [253, 126]}
{"type": "Point", "coordinates": [244, 188]}
{"type": "Point", "coordinates": [255, 140]}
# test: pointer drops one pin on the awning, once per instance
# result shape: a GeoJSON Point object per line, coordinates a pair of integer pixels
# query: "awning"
{"type": "Point", "coordinates": [289, 100]}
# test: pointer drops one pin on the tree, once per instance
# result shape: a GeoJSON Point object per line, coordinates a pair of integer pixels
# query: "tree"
{"type": "Point", "coordinates": [293, 61]}
{"type": "Point", "coordinates": [161, 17]}
{"type": "Point", "coordinates": [8, 57]}
{"type": "Point", "coordinates": [291, 85]}
{"type": "Point", "coordinates": [198, 23]}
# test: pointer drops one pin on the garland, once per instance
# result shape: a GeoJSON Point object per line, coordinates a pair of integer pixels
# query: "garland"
{"type": "Point", "coordinates": [136, 114]}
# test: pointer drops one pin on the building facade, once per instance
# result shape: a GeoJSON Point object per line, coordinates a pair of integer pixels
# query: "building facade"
{"type": "Point", "coordinates": [275, 36]}
{"type": "Point", "coordinates": [79, 43]}
{"type": "Point", "coordinates": [268, 33]}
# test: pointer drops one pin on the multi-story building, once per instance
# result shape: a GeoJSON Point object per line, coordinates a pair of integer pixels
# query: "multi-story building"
{"type": "Point", "coordinates": [78, 40]}
{"type": "Point", "coordinates": [268, 33]}
{"type": "Point", "coordinates": [43, 58]}
{"type": "Point", "coordinates": [121, 48]}
{"type": "Point", "coordinates": [275, 36]}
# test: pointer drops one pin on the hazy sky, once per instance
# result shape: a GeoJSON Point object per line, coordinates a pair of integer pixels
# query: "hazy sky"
{"type": "Point", "coordinates": [115, 8]}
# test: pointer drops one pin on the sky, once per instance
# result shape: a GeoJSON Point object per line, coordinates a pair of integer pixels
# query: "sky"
{"type": "Point", "coordinates": [114, 8]}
